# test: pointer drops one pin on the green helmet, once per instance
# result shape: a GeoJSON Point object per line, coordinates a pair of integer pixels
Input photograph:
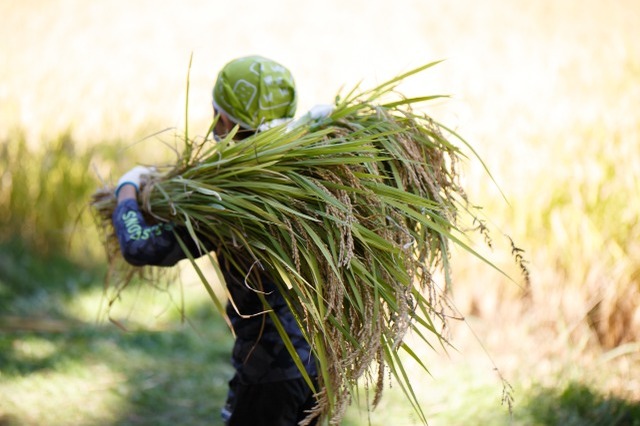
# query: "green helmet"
{"type": "Point", "coordinates": [254, 90]}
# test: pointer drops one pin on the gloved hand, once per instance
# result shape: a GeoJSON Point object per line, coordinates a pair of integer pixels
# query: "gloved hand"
{"type": "Point", "coordinates": [273, 123]}
{"type": "Point", "coordinates": [134, 177]}
{"type": "Point", "coordinates": [320, 111]}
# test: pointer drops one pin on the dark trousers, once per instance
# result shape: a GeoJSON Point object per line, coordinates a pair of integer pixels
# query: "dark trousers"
{"type": "Point", "coordinates": [283, 403]}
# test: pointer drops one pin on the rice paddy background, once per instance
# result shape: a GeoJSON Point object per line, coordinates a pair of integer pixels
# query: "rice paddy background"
{"type": "Point", "coordinates": [546, 92]}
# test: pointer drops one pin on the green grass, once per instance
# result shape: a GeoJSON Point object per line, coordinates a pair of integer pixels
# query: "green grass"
{"type": "Point", "coordinates": [36, 284]}
{"type": "Point", "coordinates": [576, 404]}
{"type": "Point", "coordinates": [164, 371]}
{"type": "Point", "coordinates": [104, 376]}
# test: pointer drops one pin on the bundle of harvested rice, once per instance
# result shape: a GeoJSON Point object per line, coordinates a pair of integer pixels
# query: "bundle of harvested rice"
{"type": "Point", "coordinates": [351, 215]}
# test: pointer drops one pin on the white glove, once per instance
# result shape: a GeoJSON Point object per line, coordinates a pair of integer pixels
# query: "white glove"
{"type": "Point", "coordinates": [273, 123]}
{"type": "Point", "coordinates": [134, 177]}
{"type": "Point", "coordinates": [320, 111]}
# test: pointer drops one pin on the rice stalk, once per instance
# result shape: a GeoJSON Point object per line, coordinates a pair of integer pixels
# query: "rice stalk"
{"type": "Point", "coordinates": [351, 215]}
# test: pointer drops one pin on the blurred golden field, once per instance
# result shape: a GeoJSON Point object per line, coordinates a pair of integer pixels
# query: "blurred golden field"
{"type": "Point", "coordinates": [547, 92]}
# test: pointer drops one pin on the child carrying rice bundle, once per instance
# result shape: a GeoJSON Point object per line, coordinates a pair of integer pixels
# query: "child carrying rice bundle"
{"type": "Point", "coordinates": [326, 230]}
